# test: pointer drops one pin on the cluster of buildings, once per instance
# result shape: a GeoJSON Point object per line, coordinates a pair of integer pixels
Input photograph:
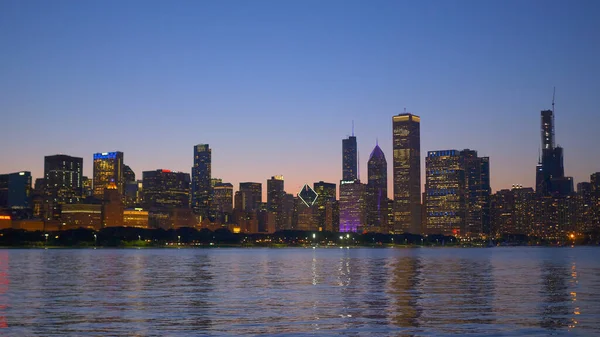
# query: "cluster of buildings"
{"type": "Point", "coordinates": [457, 199]}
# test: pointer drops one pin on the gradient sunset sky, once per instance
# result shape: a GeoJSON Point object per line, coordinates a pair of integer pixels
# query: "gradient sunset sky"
{"type": "Point", "coordinates": [273, 86]}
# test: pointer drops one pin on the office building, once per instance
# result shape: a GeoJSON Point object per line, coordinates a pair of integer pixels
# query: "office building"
{"type": "Point", "coordinates": [377, 194]}
{"type": "Point", "coordinates": [352, 206]}
{"type": "Point", "coordinates": [249, 196]}
{"type": "Point", "coordinates": [82, 216]}
{"type": "Point", "coordinates": [15, 190]}
{"type": "Point", "coordinates": [275, 193]}
{"type": "Point", "coordinates": [478, 193]}
{"type": "Point", "coordinates": [327, 212]}
{"type": "Point", "coordinates": [108, 167]}
{"type": "Point", "coordinates": [63, 183]}
{"type": "Point", "coordinates": [112, 207]}
{"type": "Point", "coordinates": [135, 217]}
{"type": "Point", "coordinates": [407, 173]}
{"type": "Point", "coordinates": [165, 189]}
{"type": "Point", "coordinates": [201, 179]}
{"type": "Point", "coordinates": [445, 193]}
{"type": "Point", "coordinates": [222, 202]}
{"type": "Point", "coordinates": [349, 159]}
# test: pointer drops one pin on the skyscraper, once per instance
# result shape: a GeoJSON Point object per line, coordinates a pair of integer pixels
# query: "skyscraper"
{"type": "Point", "coordinates": [407, 173]}
{"type": "Point", "coordinates": [15, 190]}
{"type": "Point", "coordinates": [223, 201]}
{"type": "Point", "coordinates": [166, 197]}
{"type": "Point", "coordinates": [550, 172]}
{"type": "Point", "coordinates": [457, 193]}
{"type": "Point", "coordinates": [108, 167]}
{"type": "Point", "coordinates": [352, 206]}
{"type": "Point", "coordinates": [275, 193]}
{"type": "Point", "coordinates": [327, 213]}
{"type": "Point", "coordinates": [201, 175]}
{"type": "Point", "coordinates": [444, 193]}
{"type": "Point", "coordinates": [377, 198]}
{"type": "Point", "coordinates": [165, 189]}
{"type": "Point", "coordinates": [249, 196]}
{"type": "Point", "coordinates": [595, 186]}
{"type": "Point", "coordinates": [63, 177]}
{"type": "Point", "coordinates": [349, 159]}
{"type": "Point", "coordinates": [478, 193]}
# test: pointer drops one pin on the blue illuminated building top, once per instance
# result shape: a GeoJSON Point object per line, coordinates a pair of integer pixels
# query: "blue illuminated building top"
{"type": "Point", "coordinates": [105, 155]}
{"type": "Point", "coordinates": [442, 153]}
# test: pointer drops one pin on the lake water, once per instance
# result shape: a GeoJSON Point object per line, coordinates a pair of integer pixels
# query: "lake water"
{"type": "Point", "coordinates": [296, 291]}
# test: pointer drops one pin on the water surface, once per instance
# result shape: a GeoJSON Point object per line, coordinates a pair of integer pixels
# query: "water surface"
{"type": "Point", "coordinates": [350, 292]}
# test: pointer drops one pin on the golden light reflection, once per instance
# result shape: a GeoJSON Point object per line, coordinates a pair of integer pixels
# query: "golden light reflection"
{"type": "Point", "coordinates": [573, 294]}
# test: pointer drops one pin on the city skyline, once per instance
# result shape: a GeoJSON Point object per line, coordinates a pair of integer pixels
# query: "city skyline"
{"type": "Point", "coordinates": [239, 80]}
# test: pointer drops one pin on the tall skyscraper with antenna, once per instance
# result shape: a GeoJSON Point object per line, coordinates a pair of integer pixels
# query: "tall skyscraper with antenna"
{"type": "Point", "coordinates": [352, 191]}
{"type": "Point", "coordinates": [550, 172]}
{"type": "Point", "coordinates": [350, 157]}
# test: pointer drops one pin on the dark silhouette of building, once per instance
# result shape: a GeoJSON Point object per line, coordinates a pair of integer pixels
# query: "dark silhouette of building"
{"type": "Point", "coordinates": [407, 173]}
{"type": "Point", "coordinates": [63, 183]}
{"type": "Point", "coordinates": [15, 190]}
{"type": "Point", "coordinates": [349, 159]}
{"type": "Point", "coordinates": [201, 180]}
{"type": "Point", "coordinates": [550, 172]}
{"type": "Point", "coordinates": [275, 193]}
{"type": "Point", "coordinates": [108, 167]}
{"type": "Point", "coordinates": [377, 193]}
{"type": "Point", "coordinates": [595, 186]}
{"type": "Point", "coordinates": [128, 174]}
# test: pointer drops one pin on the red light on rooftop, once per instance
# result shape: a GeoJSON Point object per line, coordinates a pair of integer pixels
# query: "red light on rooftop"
{"type": "Point", "coordinates": [166, 171]}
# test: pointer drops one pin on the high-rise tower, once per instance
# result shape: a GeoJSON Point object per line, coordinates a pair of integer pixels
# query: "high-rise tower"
{"type": "Point", "coordinates": [349, 159]}
{"type": "Point", "coordinates": [407, 173]}
{"type": "Point", "coordinates": [201, 174]}
{"type": "Point", "coordinates": [63, 177]}
{"type": "Point", "coordinates": [377, 205]}
{"type": "Point", "coordinates": [275, 194]}
{"type": "Point", "coordinates": [108, 168]}
{"type": "Point", "coordinates": [550, 172]}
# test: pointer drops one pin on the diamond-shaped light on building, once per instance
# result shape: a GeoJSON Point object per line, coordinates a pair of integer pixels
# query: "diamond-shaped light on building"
{"type": "Point", "coordinates": [308, 195]}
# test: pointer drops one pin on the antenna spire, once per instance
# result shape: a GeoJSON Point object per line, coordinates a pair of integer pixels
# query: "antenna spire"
{"type": "Point", "coordinates": [353, 128]}
{"type": "Point", "coordinates": [357, 164]}
{"type": "Point", "coordinates": [553, 95]}
{"type": "Point", "coordinates": [376, 141]}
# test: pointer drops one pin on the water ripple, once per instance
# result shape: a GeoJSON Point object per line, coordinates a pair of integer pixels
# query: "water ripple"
{"type": "Point", "coordinates": [349, 292]}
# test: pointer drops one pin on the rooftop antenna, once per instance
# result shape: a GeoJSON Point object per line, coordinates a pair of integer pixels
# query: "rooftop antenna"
{"type": "Point", "coordinates": [353, 127]}
{"type": "Point", "coordinates": [404, 109]}
{"type": "Point", "coordinates": [553, 95]}
{"type": "Point", "coordinates": [376, 141]}
{"type": "Point", "coordinates": [357, 164]}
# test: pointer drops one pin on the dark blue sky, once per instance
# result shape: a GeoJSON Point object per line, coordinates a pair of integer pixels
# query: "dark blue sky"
{"type": "Point", "coordinates": [273, 86]}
